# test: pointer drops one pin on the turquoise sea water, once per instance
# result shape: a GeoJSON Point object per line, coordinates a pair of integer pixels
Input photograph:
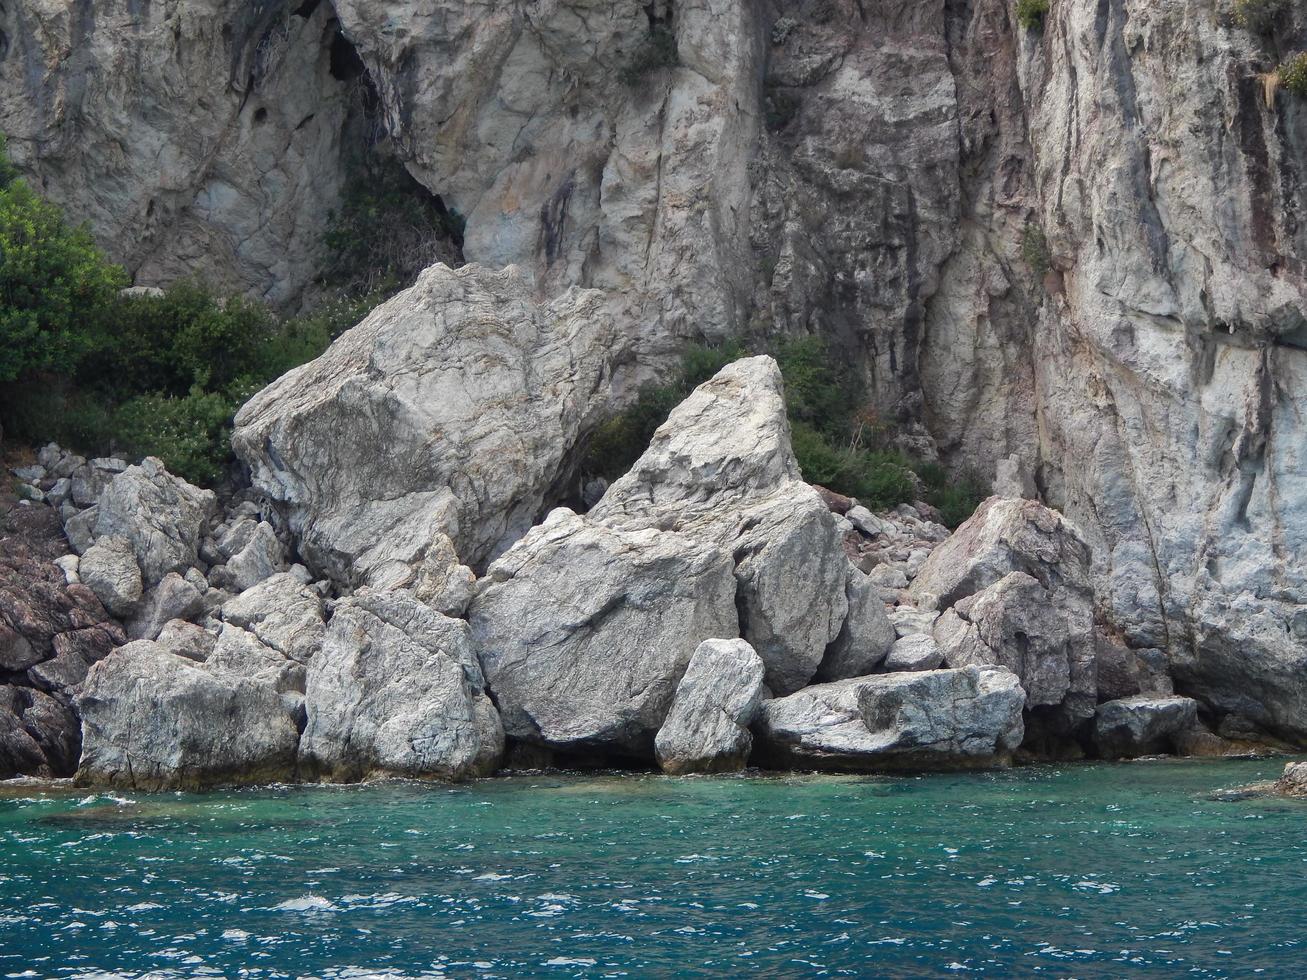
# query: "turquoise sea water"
{"type": "Point", "coordinates": [1086, 870]}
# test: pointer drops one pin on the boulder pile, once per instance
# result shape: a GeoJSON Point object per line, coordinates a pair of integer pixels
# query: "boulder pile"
{"type": "Point", "coordinates": [710, 609]}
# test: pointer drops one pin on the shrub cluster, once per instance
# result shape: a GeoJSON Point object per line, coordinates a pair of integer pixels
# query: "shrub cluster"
{"type": "Point", "coordinates": [1293, 74]}
{"type": "Point", "coordinates": [1258, 16]}
{"type": "Point", "coordinates": [1034, 249]}
{"type": "Point", "coordinates": [837, 445]}
{"type": "Point", "coordinates": [1030, 13]}
{"type": "Point", "coordinates": [140, 375]}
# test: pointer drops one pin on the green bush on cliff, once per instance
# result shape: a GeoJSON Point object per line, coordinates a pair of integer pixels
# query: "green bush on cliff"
{"type": "Point", "coordinates": [54, 283]}
{"type": "Point", "coordinates": [1030, 13]}
{"type": "Point", "coordinates": [1258, 16]}
{"type": "Point", "coordinates": [1293, 75]}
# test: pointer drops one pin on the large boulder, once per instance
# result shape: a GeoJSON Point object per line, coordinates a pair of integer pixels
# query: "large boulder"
{"type": "Point", "coordinates": [162, 516]}
{"type": "Point", "coordinates": [707, 729]}
{"type": "Point", "coordinates": [453, 409]}
{"type": "Point", "coordinates": [397, 690]}
{"type": "Point", "coordinates": [1014, 581]}
{"type": "Point", "coordinates": [1143, 725]}
{"type": "Point", "coordinates": [584, 631]}
{"type": "Point", "coordinates": [152, 720]}
{"type": "Point", "coordinates": [282, 613]}
{"type": "Point", "coordinates": [1006, 535]}
{"type": "Point", "coordinates": [721, 471]}
{"type": "Point", "coordinates": [936, 719]}
{"type": "Point", "coordinates": [1013, 624]}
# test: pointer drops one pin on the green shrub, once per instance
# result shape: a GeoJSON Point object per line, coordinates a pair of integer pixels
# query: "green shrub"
{"type": "Point", "coordinates": [657, 50]}
{"type": "Point", "coordinates": [1293, 74]}
{"type": "Point", "coordinates": [1034, 249]}
{"type": "Point", "coordinates": [388, 229]}
{"type": "Point", "coordinates": [1030, 13]}
{"type": "Point", "coordinates": [135, 375]}
{"type": "Point", "coordinates": [53, 285]}
{"type": "Point", "coordinates": [1258, 16]}
{"type": "Point", "coordinates": [190, 434]}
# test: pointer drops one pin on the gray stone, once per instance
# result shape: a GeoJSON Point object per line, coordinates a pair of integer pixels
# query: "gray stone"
{"type": "Point", "coordinates": [452, 409]}
{"type": "Point", "coordinates": [109, 569]}
{"type": "Point", "coordinates": [241, 653]}
{"type": "Point", "coordinates": [152, 720]}
{"type": "Point", "coordinates": [938, 719]}
{"type": "Point", "coordinates": [187, 640]}
{"type": "Point", "coordinates": [172, 598]}
{"type": "Point", "coordinates": [707, 729]}
{"type": "Point", "coordinates": [283, 613]}
{"type": "Point", "coordinates": [442, 582]}
{"type": "Point", "coordinates": [866, 636]}
{"type": "Point", "coordinates": [162, 515]}
{"type": "Point", "coordinates": [1002, 537]}
{"type": "Point", "coordinates": [80, 529]}
{"type": "Point", "coordinates": [584, 631]}
{"type": "Point", "coordinates": [1016, 624]}
{"type": "Point", "coordinates": [260, 557]}
{"type": "Point", "coordinates": [1142, 725]}
{"type": "Point", "coordinates": [721, 470]}
{"type": "Point", "coordinates": [397, 690]}
{"type": "Point", "coordinates": [910, 620]}
{"type": "Point", "coordinates": [916, 651]}
{"type": "Point", "coordinates": [60, 492]}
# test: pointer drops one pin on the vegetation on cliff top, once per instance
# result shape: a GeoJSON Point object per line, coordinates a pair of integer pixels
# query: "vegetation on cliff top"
{"type": "Point", "coordinates": [838, 440]}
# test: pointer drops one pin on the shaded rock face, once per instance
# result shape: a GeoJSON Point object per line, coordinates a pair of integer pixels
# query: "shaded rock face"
{"type": "Point", "coordinates": [1143, 725]}
{"type": "Point", "coordinates": [397, 690]}
{"type": "Point", "coordinates": [153, 720]}
{"type": "Point", "coordinates": [451, 410]}
{"type": "Point", "coordinates": [585, 631]}
{"type": "Point", "coordinates": [936, 719]}
{"type": "Point", "coordinates": [720, 470]}
{"type": "Point", "coordinates": [50, 634]}
{"type": "Point", "coordinates": [707, 729]}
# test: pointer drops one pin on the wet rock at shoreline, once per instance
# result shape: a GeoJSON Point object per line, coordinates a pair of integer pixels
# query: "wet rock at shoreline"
{"type": "Point", "coordinates": [707, 729]}
{"type": "Point", "coordinates": [584, 631]}
{"type": "Point", "coordinates": [397, 690]}
{"type": "Point", "coordinates": [940, 719]}
{"type": "Point", "coordinates": [1143, 725]}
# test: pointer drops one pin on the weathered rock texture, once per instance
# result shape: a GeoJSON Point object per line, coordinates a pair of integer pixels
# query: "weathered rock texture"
{"type": "Point", "coordinates": [451, 410]}
{"type": "Point", "coordinates": [1078, 246]}
{"type": "Point", "coordinates": [397, 690]}
{"type": "Point", "coordinates": [707, 729]}
{"type": "Point", "coordinates": [585, 631]}
{"type": "Point", "coordinates": [935, 719]}
{"type": "Point", "coordinates": [51, 632]}
{"type": "Point", "coordinates": [721, 471]}
{"type": "Point", "coordinates": [1142, 725]}
{"type": "Point", "coordinates": [153, 720]}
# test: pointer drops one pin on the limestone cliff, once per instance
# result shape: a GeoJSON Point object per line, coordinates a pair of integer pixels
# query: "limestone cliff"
{"type": "Point", "coordinates": [1079, 244]}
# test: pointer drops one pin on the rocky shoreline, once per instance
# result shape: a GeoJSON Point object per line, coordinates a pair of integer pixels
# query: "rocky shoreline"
{"type": "Point", "coordinates": [378, 600]}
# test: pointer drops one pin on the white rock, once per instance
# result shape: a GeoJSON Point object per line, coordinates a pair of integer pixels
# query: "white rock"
{"type": "Point", "coordinates": [938, 719]}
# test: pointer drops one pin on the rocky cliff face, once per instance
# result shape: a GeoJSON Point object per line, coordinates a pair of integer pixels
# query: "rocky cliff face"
{"type": "Point", "coordinates": [1079, 245]}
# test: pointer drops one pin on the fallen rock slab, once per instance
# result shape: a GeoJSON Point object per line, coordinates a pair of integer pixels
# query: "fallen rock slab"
{"type": "Point", "coordinates": [1142, 725]}
{"type": "Point", "coordinates": [939, 719]}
